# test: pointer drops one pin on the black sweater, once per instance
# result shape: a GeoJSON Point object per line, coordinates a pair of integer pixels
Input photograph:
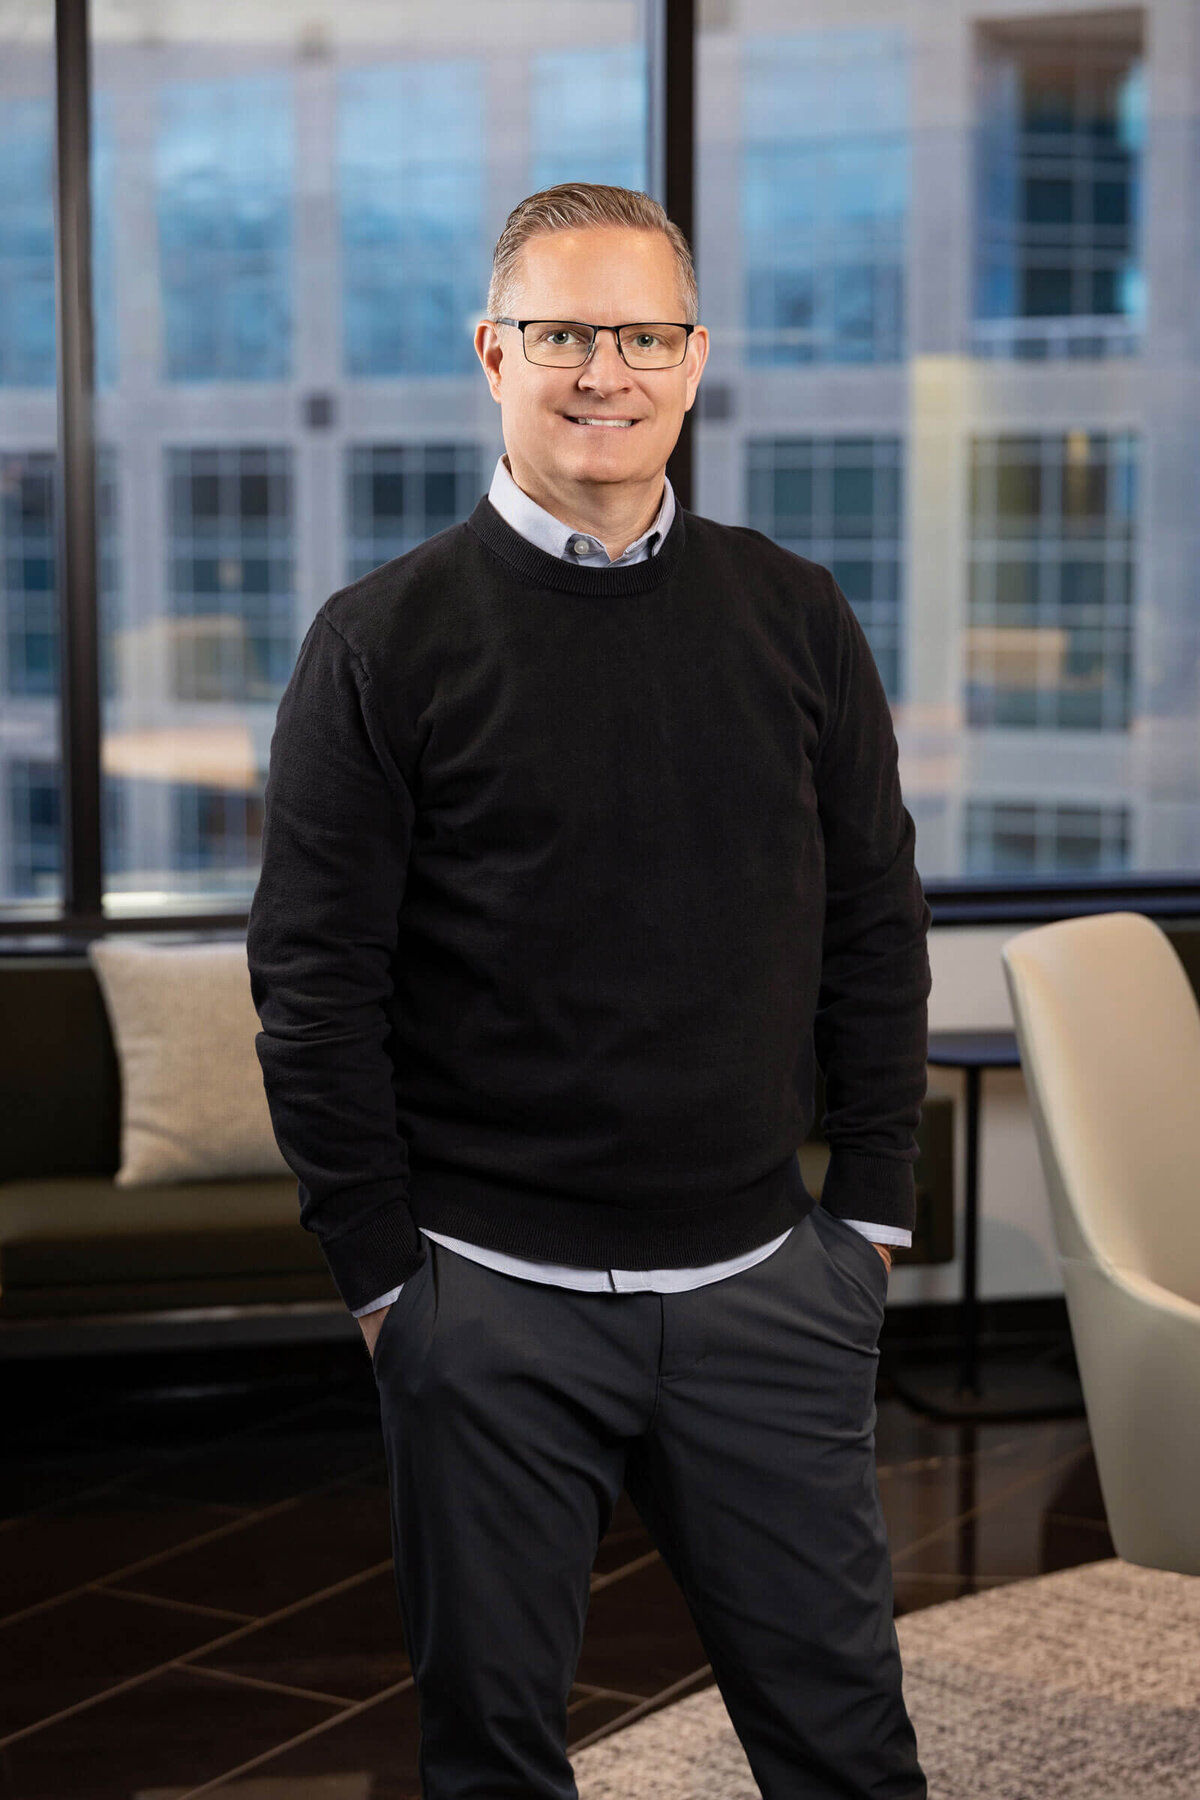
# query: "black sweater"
{"type": "Point", "coordinates": [567, 873]}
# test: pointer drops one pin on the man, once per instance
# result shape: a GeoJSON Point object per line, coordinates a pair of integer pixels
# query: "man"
{"type": "Point", "coordinates": [584, 838]}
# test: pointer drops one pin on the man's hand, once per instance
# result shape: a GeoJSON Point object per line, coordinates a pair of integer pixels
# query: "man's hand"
{"type": "Point", "coordinates": [372, 1324]}
{"type": "Point", "coordinates": [885, 1250]}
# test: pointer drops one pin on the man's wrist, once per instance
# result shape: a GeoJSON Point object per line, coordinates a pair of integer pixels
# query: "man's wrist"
{"type": "Point", "coordinates": [371, 1324]}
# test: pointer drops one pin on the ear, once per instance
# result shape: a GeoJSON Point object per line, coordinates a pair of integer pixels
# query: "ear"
{"type": "Point", "coordinates": [490, 351]}
{"type": "Point", "coordinates": [697, 356]}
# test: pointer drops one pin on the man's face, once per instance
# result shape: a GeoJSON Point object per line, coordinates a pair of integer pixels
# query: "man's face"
{"type": "Point", "coordinates": [605, 275]}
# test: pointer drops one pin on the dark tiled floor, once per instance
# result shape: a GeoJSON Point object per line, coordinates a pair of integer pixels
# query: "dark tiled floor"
{"type": "Point", "coordinates": [196, 1585]}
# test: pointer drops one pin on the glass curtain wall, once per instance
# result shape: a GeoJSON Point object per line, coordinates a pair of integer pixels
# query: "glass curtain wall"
{"type": "Point", "coordinates": [31, 808]}
{"type": "Point", "coordinates": [949, 264]}
{"type": "Point", "coordinates": [951, 269]}
{"type": "Point", "coordinates": [294, 216]}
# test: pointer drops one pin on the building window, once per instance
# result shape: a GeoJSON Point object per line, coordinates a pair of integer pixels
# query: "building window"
{"type": "Point", "coordinates": [1041, 838]}
{"type": "Point", "coordinates": [414, 259]}
{"type": "Point", "coordinates": [231, 582]}
{"type": "Point", "coordinates": [34, 830]}
{"type": "Point", "coordinates": [400, 494]}
{"type": "Point", "coordinates": [27, 544]}
{"type": "Point", "coordinates": [588, 118]}
{"type": "Point", "coordinates": [825, 194]}
{"type": "Point", "coordinates": [27, 243]}
{"type": "Point", "coordinates": [28, 568]}
{"type": "Point", "coordinates": [216, 835]}
{"type": "Point", "coordinates": [1050, 594]}
{"type": "Point", "coordinates": [1058, 177]}
{"type": "Point", "coordinates": [223, 179]}
{"type": "Point", "coordinates": [837, 501]}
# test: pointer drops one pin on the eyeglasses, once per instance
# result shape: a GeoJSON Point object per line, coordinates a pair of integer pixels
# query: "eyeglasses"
{"type": "Point", "coordinates": [567, 343]}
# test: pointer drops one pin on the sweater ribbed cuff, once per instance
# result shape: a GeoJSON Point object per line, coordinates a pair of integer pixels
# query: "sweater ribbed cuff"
{"type": "Point", "coordinates": [378, 1254]}
{"type": "Point", "coordinates": [878, 1189]}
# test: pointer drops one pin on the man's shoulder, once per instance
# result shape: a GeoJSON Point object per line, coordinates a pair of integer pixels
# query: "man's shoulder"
{"type": "Point", "coordinates": [367, 611]}
{"type": "Point", "coordinates": [747, 561]}
{"type": "Point", "coordinates": [745, 543]}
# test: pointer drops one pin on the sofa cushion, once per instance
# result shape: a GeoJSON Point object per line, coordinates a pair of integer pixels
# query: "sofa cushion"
{"type": "Point", "coordinates": [240, 1241]}
{"type": "Point", "coordinates": [193, 1106]}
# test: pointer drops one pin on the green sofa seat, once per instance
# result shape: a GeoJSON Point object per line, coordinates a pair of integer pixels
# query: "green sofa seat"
{"type": "Point", "coordinates": [78, 1244]}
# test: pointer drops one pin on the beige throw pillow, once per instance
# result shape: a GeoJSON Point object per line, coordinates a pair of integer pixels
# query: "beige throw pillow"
{"type": "Point", "coordinates": [193, 1106]}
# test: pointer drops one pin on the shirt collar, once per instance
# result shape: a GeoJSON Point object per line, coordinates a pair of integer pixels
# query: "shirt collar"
{"type": "Point", "coordinates": [548, 533]}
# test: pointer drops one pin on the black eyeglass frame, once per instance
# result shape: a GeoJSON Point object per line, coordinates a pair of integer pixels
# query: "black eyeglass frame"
{"type": "Point", "coordinates": [677, 324]}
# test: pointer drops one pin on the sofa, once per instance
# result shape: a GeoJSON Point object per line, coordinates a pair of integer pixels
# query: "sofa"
{"type": "Point", "coordinates": [86, 1264]}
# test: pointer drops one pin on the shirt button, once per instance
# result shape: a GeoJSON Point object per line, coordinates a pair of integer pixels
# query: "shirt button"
{"type": "Point", "coordinates": [580, 546]}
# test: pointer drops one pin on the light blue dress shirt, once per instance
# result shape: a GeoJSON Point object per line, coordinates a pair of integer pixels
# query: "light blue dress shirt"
{"type": "Point", "coordinates": [550, 534]}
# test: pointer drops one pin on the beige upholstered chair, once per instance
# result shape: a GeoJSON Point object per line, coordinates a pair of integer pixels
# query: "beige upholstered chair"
{"type": "Point", "coordinates": [1109, 1033]}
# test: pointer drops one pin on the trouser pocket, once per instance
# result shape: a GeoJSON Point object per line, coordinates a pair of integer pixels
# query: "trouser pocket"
{"type": "Point", "coordinates": [400, 1306]}
{"type": "Point", "coordinates": [855, 1254]}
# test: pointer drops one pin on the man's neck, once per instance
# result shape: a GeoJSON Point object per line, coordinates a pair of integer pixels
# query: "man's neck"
{"type": "Point", "coordinates": [608, 512]}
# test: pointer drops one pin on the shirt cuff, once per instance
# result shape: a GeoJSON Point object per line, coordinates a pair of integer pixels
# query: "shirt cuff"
{"type": "Point", "coordinates": [882, 1234]}
{"type": "Point", "coordinates": [374, 1305]}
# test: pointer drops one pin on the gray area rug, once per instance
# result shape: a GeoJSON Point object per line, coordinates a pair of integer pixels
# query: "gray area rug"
{"type": "Point", "coordinates": [1079, 1685]}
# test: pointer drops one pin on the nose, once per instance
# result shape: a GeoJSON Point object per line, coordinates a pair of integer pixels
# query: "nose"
{"type": "Point", "coordinates": [611, 354]}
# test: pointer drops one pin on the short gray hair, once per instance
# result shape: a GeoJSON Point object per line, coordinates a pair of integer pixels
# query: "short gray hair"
{"type": "Point", "coordinates": [574, 206]}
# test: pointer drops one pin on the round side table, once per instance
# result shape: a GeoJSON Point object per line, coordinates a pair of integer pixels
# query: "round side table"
{"type": "Point", "coordinates": [1025, 1390]}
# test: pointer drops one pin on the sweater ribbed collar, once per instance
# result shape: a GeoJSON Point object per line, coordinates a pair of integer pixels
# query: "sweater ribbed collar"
{"type": "Point", "coordinates": [541, 569]}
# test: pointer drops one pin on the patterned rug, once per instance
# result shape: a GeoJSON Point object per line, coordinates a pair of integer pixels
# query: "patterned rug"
{"type": "Point", "coordinates": [1079, 1685]}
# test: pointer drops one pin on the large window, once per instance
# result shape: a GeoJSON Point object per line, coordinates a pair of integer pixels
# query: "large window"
{"type": "Point", "coordinates": [951, 269]}
{"type": "Point", "coordinates": [31, 808]}
{"type": "Point", "coordinates": [293, 215]}
{"type": "Point", "coordinates": [949, 261]}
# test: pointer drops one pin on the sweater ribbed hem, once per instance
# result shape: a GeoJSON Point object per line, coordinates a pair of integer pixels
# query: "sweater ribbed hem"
{"type": "Point", "coordinates": [541, 569]}
{"type": "Point", "coordinates": [595, 1234]}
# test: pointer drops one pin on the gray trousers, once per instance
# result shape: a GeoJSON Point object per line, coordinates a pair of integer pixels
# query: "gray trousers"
{"type": "Point", "coordinates": [740, 1418]}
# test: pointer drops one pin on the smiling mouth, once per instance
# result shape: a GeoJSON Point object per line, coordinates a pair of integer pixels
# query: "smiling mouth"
{"type": "Point", "coordinates": [585, 419]}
